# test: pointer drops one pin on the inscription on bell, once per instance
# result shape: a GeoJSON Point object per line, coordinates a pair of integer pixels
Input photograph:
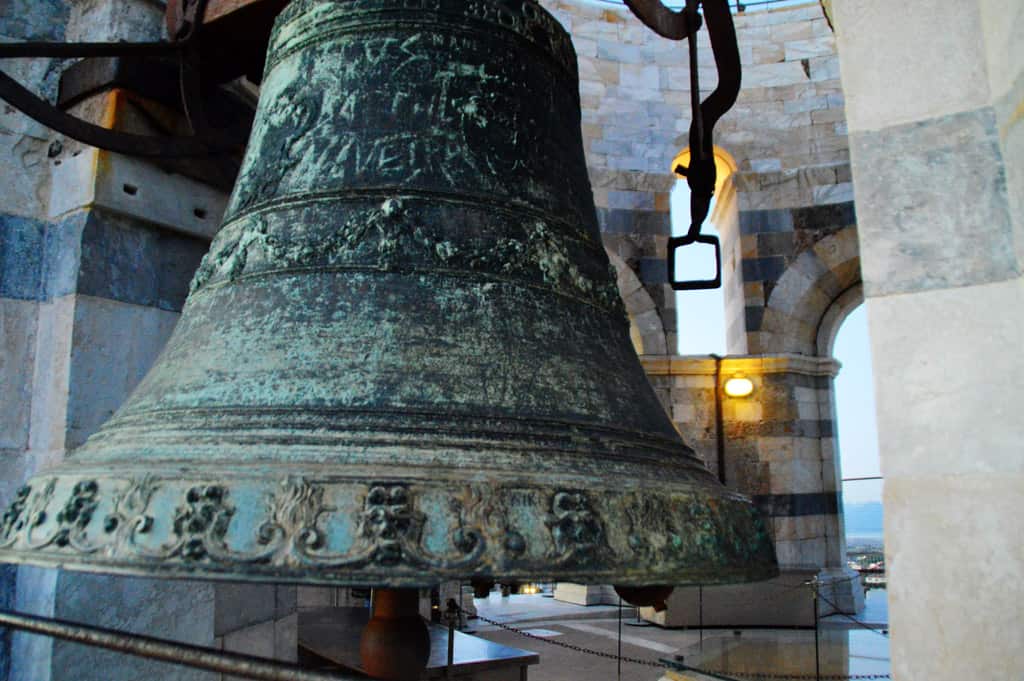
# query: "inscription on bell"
{"type": "Point", "coordinates": [521, 498]}
{"type": "Point", "coordinates": [423, 109]}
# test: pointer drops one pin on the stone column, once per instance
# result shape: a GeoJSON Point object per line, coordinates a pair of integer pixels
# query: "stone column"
{"type": "Point", "coordinates": [99, 281]}
{"type": "Point", "coordinates": [935, 91]}
{"type": "Point", "coordinates": [115, 271]}
{"type": "Point", "coordinates": [98, 251]}
{"type": "Point", "coordinates": [24, 177]}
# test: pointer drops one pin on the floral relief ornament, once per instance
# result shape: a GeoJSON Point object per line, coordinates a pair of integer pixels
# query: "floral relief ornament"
{"type": "Point", "coordinates": [14, 518]}
{"type": "Point", "coordinates": [129, 518]}
{"type": "Point", "coordinates": [36, 516]}
{"type": "Point", "coordinates": [575, 528]}
{"type": "Point", "coordinates": [202, 524]}
{"type": "Point", "coordinates": [389, 529]}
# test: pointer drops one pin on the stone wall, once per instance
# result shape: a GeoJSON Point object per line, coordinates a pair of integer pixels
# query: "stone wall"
{"type": "Point", "coordinates": [789, 242]}
{"type": "Point", "coordinates": [937, 144]}
{"type": "Point", "coordinates": [788, 229]}
{"type": "Point", "coordinates": [787, 135]}
{"type": "Point", "coordinates": [777, 444]}
{"type": "Point", "coordinates": [24, 175]}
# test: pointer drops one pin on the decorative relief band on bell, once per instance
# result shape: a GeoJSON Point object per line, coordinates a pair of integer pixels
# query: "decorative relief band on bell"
{"type": "Point", "coordinates": [437, 235]}
{"type": "Point", "coordinates": [383, 533]}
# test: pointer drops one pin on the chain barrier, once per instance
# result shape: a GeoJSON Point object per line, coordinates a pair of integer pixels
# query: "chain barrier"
{"type": "Point", "coordinates": [856, 621]}
{"type": "Point", "coordinates": [756, 676]}
{"type": "Point", "coordinates": [569, 646]}
{"type": "Point", "coordinates": [762, 676]}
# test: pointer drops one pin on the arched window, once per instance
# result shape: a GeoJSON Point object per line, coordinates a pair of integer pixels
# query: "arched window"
{"type": "Point", "coordinates": [857, 440]}
{"type": "Point", "coordinates": [857, 431]}
{"type": "Point", "coordinates": [701, 319]}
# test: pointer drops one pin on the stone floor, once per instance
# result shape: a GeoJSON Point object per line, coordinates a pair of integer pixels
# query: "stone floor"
{"type": "Point", "coordinates": [844, 648]}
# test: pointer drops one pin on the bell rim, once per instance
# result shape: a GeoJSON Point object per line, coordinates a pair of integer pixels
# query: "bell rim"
{"type": "Point", "coordinates": [284, 531]}
{"type": "Point", "coordinates": [760, 573]}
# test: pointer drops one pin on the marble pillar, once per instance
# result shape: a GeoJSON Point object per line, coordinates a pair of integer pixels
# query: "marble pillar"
{"type": "Point", "coordinates": [937, 148]}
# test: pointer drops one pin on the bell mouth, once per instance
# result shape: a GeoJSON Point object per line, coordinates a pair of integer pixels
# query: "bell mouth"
{"type": "Point", "coordinates": [413, 532]}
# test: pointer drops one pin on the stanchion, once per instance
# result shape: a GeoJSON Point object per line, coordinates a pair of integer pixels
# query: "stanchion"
{"type": "Point", "coordinates": [619, 660]}
{"type": "Point", "coordinates": [452, 614]}
{"type": "Point", "coordinates": [700, 614]}
{"type": "Point", "coordinates": [817, 655]}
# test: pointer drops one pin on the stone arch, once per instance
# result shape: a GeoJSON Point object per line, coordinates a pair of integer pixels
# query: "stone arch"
{"type": "Point", "coordinates": [645, 326]}
{"type": "Point", "coordinates": [812, 297]}
{"type": "Point", "coordinates": [835, 315]}
{"type": "Point", "coordinates": [725, 165]}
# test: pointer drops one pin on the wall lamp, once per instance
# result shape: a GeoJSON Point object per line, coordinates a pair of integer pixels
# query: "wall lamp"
{"type": "Point", "coordinates": [739, 386]}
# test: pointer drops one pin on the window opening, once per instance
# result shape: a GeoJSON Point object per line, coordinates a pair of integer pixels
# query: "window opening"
{"type": "Point", "coordinates": [857, 437]}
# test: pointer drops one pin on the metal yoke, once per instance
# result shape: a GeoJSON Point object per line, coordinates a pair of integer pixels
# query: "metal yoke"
{"type": "Point", "coordinates": [701, 174]}
{"type": "Point", "coordinates": [213, 41]}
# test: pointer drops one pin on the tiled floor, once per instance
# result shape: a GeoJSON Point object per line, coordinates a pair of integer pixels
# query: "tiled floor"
{"type": "Point", "coordinates": [536, 607]}
{"type": "Point", "coordinates": [842, 650]}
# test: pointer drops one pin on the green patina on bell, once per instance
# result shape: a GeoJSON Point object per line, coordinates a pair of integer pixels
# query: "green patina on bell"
{"type": "Point", "coordinates": [405, 358]}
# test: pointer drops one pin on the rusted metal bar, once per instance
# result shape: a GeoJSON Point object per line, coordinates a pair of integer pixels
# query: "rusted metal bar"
{"type": "Point", "coordinates": [204, 141]}
{"type": "Point", "coordinates": [35, 50]}
{"type": "Point", "coordinates": [173, 652]}
{"type": "Point", "coordinates": [120, 142]}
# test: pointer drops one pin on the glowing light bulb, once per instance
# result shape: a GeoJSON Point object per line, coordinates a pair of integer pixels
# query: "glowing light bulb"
{"type": "Point", "coordinates": [739, 386]}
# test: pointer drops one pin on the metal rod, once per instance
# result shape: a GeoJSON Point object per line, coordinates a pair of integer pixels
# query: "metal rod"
{"type": "Point", "coordinates": [719, 419]}
{"type": "Point", "coordinates": [88, 133]}
{"type": "Point", "coordinates": [163, 650]}
{"type": "Point", "coordinates": [870, 477]}
{"type": "Point", "coordinates": [700, 614]}
{"type": "Point", "coordinates": [451, 651]}
{"type": "Point", "coordinates": [817, 657]}
{"type": "Point", "coordinates": [453, 617]}
{"type": "Point", "coordinates": [620, 640]}
{"type": "Point", "coordinates": [698, 117]}
{"type": "Point", "coordinates": [33, 50]}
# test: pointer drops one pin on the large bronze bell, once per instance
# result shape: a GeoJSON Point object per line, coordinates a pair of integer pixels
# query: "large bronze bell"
{"type": "Point", "coordinates": [404, 359]}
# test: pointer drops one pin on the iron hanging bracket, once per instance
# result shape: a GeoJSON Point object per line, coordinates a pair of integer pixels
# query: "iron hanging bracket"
{"type": "Point", "coordinates": [184, 45]}
{"type": "Point", "coordinates": [701, 174]}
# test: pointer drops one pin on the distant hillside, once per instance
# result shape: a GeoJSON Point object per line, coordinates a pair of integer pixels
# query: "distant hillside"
{"type": "Point", "coordinates": [863, 517]}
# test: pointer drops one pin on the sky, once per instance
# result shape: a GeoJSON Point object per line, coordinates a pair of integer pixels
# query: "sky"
{"type": "Point", "coordinates": [702, 331]}
{"type": "Point", "coordinates": [701, 314]}
{"type": "Point", "coordinates": [855, 410]}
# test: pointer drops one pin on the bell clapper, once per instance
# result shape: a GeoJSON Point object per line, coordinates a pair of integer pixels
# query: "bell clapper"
{"type": "Point", "coordinates": [395, 645]}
